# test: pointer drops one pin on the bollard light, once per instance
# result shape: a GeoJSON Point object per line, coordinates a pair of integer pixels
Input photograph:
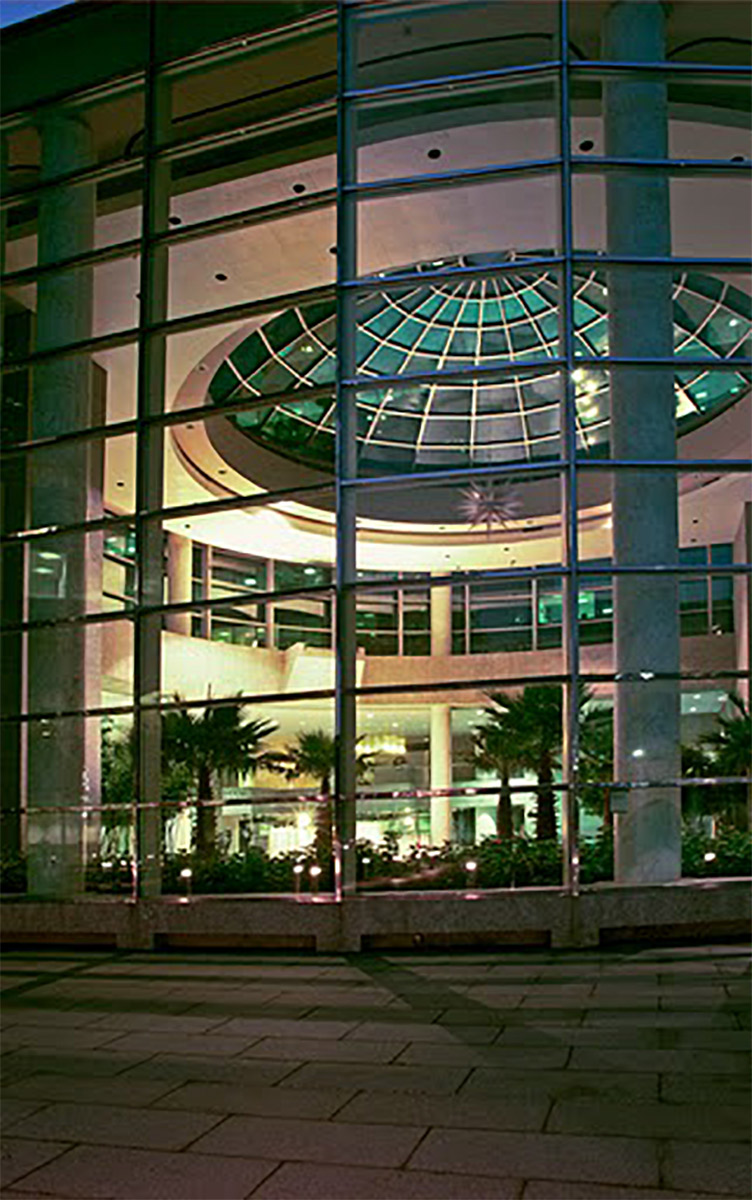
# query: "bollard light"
{"type": "Point", "coordinates": [186, 873]}
{"type": "Point", "coordinates": [315, 872]}
{"type": "Point", "coordinates": [710, 856]}
{"type": "Point", "coordinates": [471, 865]}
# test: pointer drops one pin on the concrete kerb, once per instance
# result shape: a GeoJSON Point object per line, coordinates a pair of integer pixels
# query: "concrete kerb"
{"type": "Point", "coordinates": [533, 916]}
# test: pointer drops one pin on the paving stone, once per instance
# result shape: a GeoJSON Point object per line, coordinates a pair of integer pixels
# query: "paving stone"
{"type": "Point", "coordinates": [661, 1020]}
{"type": "Point", "coordinates": [157, 1022]}
{"type": "Point", "coordinates": [414, 1031]}
{"type": "Point", "coordinates": [698, 1062]}
{"type": "Point", "coordinates": [532, 1058]}
{"type": "Point", "coordinates": [116, 1125]}
{"type": "Point", "coordinates": [270, 1027]}
{"type": "Point", "coordinates": [256, 1101]}
{"type": "Point", "coordinates": [62, 1038]}
{"type": "Point", "coordinates": [718, 1168]}
{"type": "Point", "coordinates": [91, 1171]}
{"type": "Point", "coordinates": [557, 1189]}
{"type": "Point", "coordinates": [436, 1080]}
{"type": "Point", "coordinates": [307, 1181]}
{"type": "Point", "coordinates": [453, 1112]}
{"type": "Point", "coordinates": [312, 1141]}
{"type": "Point", "coordinates": [87, 1062]}
{"type": "Point", "coordinates": [19, 1156]}
{"type": "Point", "coordinates": [697, 1121]}
{"type": "Point", "coordinates": [714, 1089]}
{"type": "Point", "coordinates": [553, 1156]}
{"type": "Point", "coordinates": [14, 1109]}
{"type": "Point", "coordinates": [203, 1044]}
{"type": "Point", "coordinates": [568, 1035]}
{"type": "Point", "coordinates": [629, 1088]}
{"type": "Point", "coordinates": [326, 1050]}
{"type": "Point", "coordinates": [94, 1089]}
{"type": "Point", "coordinates": [216, 1070]}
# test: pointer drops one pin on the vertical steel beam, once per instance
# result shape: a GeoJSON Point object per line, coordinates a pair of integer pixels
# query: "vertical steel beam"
{"type": "Point", "coordinates": [149, 471]}
{"type": "Point", "coordinates": [570, 554]}
{"type": "Point", "coordinates": [346, 466]}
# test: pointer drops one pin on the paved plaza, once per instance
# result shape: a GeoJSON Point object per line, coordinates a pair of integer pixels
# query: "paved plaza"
{"type": "Point", "coordinates": [534, 1076]}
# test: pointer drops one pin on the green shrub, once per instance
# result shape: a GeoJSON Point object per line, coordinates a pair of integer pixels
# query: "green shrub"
{"type": "Point", "coordinates": [12, 873]}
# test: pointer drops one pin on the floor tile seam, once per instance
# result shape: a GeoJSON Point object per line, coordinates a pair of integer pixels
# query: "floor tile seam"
{"type": "Point", "coordinates": [276, 1168]}
{"type": "Point", "coordinates": [220, 1120]}
{"type": "Point", "coordinates": [47, 1163]}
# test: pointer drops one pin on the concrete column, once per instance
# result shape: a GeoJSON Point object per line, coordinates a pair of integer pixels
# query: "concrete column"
{"type": "Point", "coordinates": [179, 581]}
{"type": "Point", "coordinates": [441, 772]}
{"type": "Point", "coordinates": [441, 621]}
{"type": "Point", "coordinates": [64, 661]}
{"type": "Point", "coordinates": [643, 427]}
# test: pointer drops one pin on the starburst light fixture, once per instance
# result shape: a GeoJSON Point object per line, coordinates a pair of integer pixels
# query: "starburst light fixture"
{"type": "Point", "coordinates": [490, 504]}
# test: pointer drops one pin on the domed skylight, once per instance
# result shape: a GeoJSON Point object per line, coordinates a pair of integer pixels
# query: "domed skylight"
{"type": "Point", "coordinates": [456, 325]}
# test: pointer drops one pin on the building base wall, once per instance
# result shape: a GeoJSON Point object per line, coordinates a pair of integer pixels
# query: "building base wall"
{"type": "Point", "coordinates": [602, 914]}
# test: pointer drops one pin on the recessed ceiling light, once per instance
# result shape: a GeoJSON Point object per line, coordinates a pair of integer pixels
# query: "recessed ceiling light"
{"type": "Point", "coordinates": [120, 483]}
{"type": "Point", "coordinates": [220, 277]}
{"type": "Point", "coordinates": [434, 152]}
{"type": "Point", "coordinates": [298, 188]}
{"type": "Point", "coordinates": [175, 220]}
{"type": "Point", "coordinates": [587, 145]}
{"type": "Point", "coordinates": [737, 158]}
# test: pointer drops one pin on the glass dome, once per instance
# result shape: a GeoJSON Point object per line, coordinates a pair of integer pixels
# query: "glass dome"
{"type": "Point", "coordinates": [458, 325]}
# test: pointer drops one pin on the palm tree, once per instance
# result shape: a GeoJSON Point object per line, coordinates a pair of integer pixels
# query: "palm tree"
{"type": "Point", "coordinates": [208, 744]}
{"type": "Point", "coordinates": [730, 745]}
{"type": "Point", "coordinates": [596, 760]}
{"type": "Point", "coordinates": [314, 753]}
{"type": "Point", "coordinates": [532, 723]}
{"type": "Point", "coordinates": [494, 750]}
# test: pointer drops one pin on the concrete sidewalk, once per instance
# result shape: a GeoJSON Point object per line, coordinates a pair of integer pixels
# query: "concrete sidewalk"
{"type": "Point", "coordinates": [535, 1075]}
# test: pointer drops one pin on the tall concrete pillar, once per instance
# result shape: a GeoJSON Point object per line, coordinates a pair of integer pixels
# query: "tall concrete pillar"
{"type": "Point", "coordinates": [64, 661]}
{"type": "Point", "coordinates": [643, 427]}
{"type": "Point", "coordinates": [441, 720]}
{"type": "Point", "coordinates": [441, 772]}
{"type": "Point", "coordinates": [179, 581]}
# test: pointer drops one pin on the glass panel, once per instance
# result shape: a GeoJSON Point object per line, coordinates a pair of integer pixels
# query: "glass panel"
{"type": "Point", "coordinates": [682, 193]}
{"type": "Point", "coordinates": [459, 321]}
{"type": "Point", "coordinates": [273, 258]}
{"type": "Point", "coordinates": [710, 508]}
{"type": "Point", "coordinates": [653, 412]}
{"type": "Point", "coordinates": [703, 115]}
{"type": "Point", "coordinates": [74, 666]}
{"type": "Point", "coordinates": [67, 575]}
{"type": "Point", "coordinates": [486, 523]}
{"type": "Point", "coordinates": [248, 85]}
{"type": "Point", "coordinates": [54, 486]}
{"type": "Point", "coordinates": [459, 423]}
{"type": "Point", "coordinates": [518, 214]}
{"type": "Point", "coordinates": [449, 767]}
{"type": "Point", "coordinates": [234, 647]}
{"type": "Point", "coordinates": [280, 448]}
{"type": "Point", "coordinates": [287, 351]}
{"type": "Point", "coordinates": [398, 43]}
{"type": "Point", "coordinates": [688, 38]}
{"type": "Point", "coordinates": [62, 140]}
{"type": "Point", "coordinates": [77, 303]}
{"type": "Point", "coordinates": [104, 386]}
{"type": "Point", "coordinates": [463, 128]}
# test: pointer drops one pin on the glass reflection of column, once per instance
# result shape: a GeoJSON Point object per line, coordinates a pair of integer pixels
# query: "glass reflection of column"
{"type": "Point", "coordinates": [643, 428]}
{"type": "Point", "coordinates": [64, 662]}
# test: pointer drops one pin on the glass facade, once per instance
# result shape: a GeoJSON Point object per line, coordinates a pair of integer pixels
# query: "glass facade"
{"type": "Point", "coordinates": [375, 443]}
